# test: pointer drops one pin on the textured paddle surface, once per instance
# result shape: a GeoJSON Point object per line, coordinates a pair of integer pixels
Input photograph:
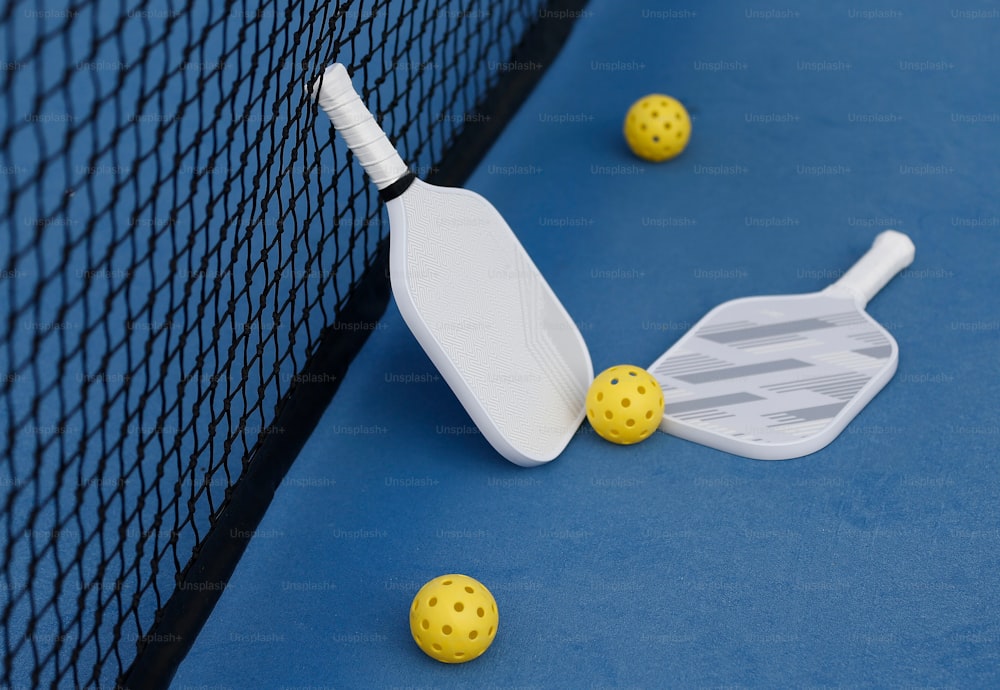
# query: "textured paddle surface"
{"type": "Point", "coordinates": [494, 317]}
{"type": "Point", "coordinates": [773, 370]}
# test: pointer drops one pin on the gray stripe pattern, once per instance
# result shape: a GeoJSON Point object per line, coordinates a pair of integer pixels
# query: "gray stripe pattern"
{"type": "Point", "coordinates": [705, 403]}
{"type": "Point", "coordinates": [805, 414]}
{"type": "Point", "coordinates": [743, 371]}
{"type": "Point", "coordinates": [735, 375]}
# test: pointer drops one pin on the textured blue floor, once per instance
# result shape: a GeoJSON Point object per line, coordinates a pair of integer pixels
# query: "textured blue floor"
{"type": "Point", "coordinates": [871, 563]}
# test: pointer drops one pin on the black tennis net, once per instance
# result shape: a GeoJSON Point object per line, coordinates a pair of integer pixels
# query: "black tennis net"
{"type": "Point", "coordinates": [189, 262]}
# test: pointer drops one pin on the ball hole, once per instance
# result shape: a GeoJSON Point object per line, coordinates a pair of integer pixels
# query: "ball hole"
{"type": "Point", "coordinates": [600, 397]}
{"type": "Point", "coordinates": [469, 589]}
{"type": "Point", "coordinates": [473, 634]}
{"type": "Point", "coordinates": [490, 631]}
{"type": "Point", "coordinates": [655, 113]}
{"type": "Point", "coordinates": [629, 422]}
{"type": "Point", "coordinates": [446, 582]}
{"type": "Point", "coordinates": [644, 432]}
{"type": "Point", "coordinates": [626, 402]}
{"type": "Point", "coordinates": [446, 629]}
{"type": "Point", "coordinates": [680, 135]}
{"type": "Point", "coordinates": [432, 601]}
{"type": "Point", "coordinates": [632, 373]}
{"type": "Point", "coordinates": [436, 647]}
{"type": "Point", "coordinates": [608, 414]}
{"type": "Point", "coordinates": [641, 390]}
{"type": "Point", "coordinates": [656, 140]}
{"type": "Point", "coordinates": [459, 606]}
{"type": "Point", "coordinates": [649, 414]}
{"type": "Point", "coordinates": [614, 432]}
{"type": "Point", "coordinates": [425, 624]}
{"type": "Point", "coordinates": [459, 655]}
{"type": "Point", "coordinates": [614, 382]}
{"type": "Point", "coordinates": [643, 127]}
{"type": "Point", "coordinates": [480, 612]}
{"type": "Point", "coordinates": [663, 104]}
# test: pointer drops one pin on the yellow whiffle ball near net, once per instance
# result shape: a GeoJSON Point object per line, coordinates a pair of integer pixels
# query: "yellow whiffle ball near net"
{"type": "Point", "coordinates": [657, 127]}
{"type": "Point", "coordinates": [625, 404]}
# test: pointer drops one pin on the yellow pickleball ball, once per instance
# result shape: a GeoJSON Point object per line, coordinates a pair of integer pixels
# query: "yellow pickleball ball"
{"type": "Point", "coordinates": [657, 127]}
{"type": "Point", "coordinates": [625, 404]}
{"type": "Point", "coordinates": [454, 618]}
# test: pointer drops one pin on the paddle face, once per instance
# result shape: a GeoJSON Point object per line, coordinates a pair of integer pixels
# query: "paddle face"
{"type": "Point", "coordinates": [488, 321]}
{"type": "Point", "coordinates": [471, 296]}
{"type": "Point", "coordinates": [773, 378]}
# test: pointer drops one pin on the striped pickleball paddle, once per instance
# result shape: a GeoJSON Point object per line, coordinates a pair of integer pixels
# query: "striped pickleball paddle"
{"type": "Point", "coordinates": [779, 377]}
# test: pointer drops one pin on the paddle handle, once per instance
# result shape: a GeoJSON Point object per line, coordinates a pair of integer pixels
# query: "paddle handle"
{"type": "Point", "coordinates": [335, 94]}
{"type": "Point", "coordinates": [891, 252]}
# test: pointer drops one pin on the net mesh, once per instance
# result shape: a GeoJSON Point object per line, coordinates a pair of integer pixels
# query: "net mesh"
{"type": "Point", "coordinates": [182, 236]}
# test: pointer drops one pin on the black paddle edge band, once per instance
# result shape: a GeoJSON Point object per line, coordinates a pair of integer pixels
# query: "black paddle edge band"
{"type": "Point", "coordinates": [198, 589]}
{"type": "Point", "coordinates": [182, 617]}
{"type": "Point", "coordinates": [398, 187]}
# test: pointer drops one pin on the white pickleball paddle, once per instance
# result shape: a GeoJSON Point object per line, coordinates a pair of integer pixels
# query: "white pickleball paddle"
{"type": "Point", "coordinates": [471, 295]}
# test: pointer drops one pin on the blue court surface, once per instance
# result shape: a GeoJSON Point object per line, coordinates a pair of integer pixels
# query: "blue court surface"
{"type": "Point", "coordinates": [872, 563]}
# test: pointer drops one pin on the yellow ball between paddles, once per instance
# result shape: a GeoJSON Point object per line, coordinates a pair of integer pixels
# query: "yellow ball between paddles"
{"type": "Point", "coordinates": [625, 404]}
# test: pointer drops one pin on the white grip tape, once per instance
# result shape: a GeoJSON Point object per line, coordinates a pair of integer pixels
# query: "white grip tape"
{"type": "Point", "coordinates": [891, 252]}
{"type": "Point", "coordinates": [338, 99]}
